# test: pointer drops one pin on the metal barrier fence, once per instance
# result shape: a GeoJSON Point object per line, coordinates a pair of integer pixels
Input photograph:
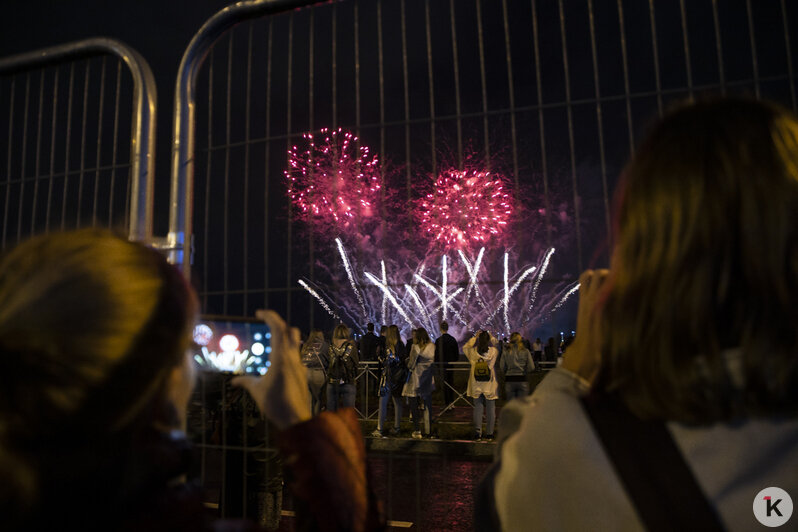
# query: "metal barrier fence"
{"type": "Point", "coordinates": [66, 159]}
{"type": "Point", "coordinates": [552, 94]}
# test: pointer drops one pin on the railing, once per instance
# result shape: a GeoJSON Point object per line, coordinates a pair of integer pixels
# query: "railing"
{"type": "Point", "coordinates": [32, 151]}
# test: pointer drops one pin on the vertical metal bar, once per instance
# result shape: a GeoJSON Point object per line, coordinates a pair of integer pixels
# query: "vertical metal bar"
{"type": "Point", "coordinates": [600, 122]}
{"type": "Point", "coordinates": [357, 70]}
{"type": "Point", "coordinates": [428, 30]}
{"type": "Point", "coordinates": [686, 39]}
{"type": "Point", "coordinates": [481, 40]}
{"type": "Point", "coordinates": [382, 101]}
{"type": "Point", "coordinates": [790, 78]}
{"type": "Point", "coordinates": [288, 136]}
{"type": "Point", "coordinates": [37, 167]}
{"type": "Point", "coordinates": [569, 111]}
{"type": "Point", "coordinates": [543, 162]}
{"type": "Point", "coordinates": [113, 150]}
{"type": "Point", "coordinates": [408, 175]}
{"type": "Point", "coordinates": [311, 82]}
{"type": "Point", "coordinates": [99, 144]}
{"type": "Point", "coordinates": [51, 176]}
{"type": "Point", "coordinates": [66, 149]}
{"type": "Point", "coordinates": [719, 46]}
{"type": "Point", "coordinates": [24, 157]}
{"type": "Point", "coordinates": [334, 49]}
{"type": "Point", "coordinates": [627, 93]}
{"type": "Point", "coordinates": [754, 59]}
{"type": "Point", "coordinates": [655, 49]}
{"type": "Point", "coordinates": [266, 165]}
{"type": "Point", "coordinates": [226, 210]}
{"type": "Point", "coordinates": [511, 95]}
{"type": "Point", "coordinates": [245, 243]}
{"type": "Point", "coordinates": [208, 177]}
{"type": "Point", "coordinates": [10, 145]}
{"type": "Point", "coordinates": [456, 86]}
{"type": "Point", "coordinates": [86, 78]}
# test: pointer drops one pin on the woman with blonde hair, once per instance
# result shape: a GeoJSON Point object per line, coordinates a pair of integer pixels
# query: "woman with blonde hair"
{"type": "Point", "coordinates": [676, 406]}
{"type": "Point", "coordinates": [94, 332]}
{"type": "Point", "coordinates": [314, 357]}
{"type": "Point", "coordinates": [420, 383]}
{"type": "Point", "coordinates": [516, 363]}
{"type": "Point", "coordinates": [342, 370]}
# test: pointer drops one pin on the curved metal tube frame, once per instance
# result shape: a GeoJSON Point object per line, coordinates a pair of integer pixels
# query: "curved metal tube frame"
{"type": "Point", "coordinates": [142, 142]}
{"type": "Point", "coordinates": [182, 186]}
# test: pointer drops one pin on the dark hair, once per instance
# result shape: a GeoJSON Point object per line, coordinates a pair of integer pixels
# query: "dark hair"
{"type": "Point", "coordinates": [91, 328]}
{"type": "Point", "coordinates": [370, 326]}
{"type": "Point", "coordinates": [706, 259]}
{"type": "Point", "coordinates": [444, 326]}
{"type": "Point", "coordinates": [420, 337]}
{"type": "Point", "coordinates": [483, 342]}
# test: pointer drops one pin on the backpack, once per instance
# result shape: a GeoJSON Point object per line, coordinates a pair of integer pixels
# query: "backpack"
{"type": "Point", "coordinates": [481, 370]}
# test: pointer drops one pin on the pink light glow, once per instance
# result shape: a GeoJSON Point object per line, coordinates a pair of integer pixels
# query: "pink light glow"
{"type": "Point", "coordinates": [333, 181]}
{"type": "Point", "coordinates": [466, 209]}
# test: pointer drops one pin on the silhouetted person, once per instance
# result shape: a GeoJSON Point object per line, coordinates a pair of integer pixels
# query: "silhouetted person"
{"type": "Point", "coordinates": [446, 352]}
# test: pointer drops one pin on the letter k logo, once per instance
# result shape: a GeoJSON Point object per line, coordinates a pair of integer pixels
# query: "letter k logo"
{"type": "Point", "coordinates": [772, 506]}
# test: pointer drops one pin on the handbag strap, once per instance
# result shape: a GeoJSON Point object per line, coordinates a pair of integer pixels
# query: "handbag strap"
{"type": "Point", "coordinates": [651, 468]}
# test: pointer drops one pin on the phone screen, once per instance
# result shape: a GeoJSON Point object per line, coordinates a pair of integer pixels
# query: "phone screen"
{"type": "Point", "coordinates": [239, 346]}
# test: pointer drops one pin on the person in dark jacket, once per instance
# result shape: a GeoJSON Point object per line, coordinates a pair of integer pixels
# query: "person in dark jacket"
{"type": "Point", "coordinates": [392, 378]}
{"type": "Point", "coordinates": [367, 347]}
{"type": "Point", "coordinates": [446, 352]}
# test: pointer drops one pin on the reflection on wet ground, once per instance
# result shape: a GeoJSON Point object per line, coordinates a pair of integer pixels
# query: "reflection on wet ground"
{"type": "Point", "coordinates": [422, 491]}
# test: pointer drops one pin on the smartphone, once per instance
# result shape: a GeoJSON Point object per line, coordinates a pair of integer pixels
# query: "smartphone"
{"type": "Point", "coordinates": [237, 346]}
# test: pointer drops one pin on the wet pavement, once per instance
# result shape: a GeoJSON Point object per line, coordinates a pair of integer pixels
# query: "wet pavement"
{"type": "Point", "coordinates": [431, 487]}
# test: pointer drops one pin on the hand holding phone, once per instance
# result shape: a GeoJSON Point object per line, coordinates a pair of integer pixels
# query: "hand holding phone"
{"type": "Point", "coordinates": [282, 393]}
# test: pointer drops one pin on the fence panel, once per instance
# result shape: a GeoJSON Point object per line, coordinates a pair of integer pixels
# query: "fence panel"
{"type": "Point", "coordinates": [552, 96]}
{"type": "Point", "coordinates": [77, 140]}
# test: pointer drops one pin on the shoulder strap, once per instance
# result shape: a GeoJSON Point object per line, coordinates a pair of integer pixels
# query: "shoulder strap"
{"type": "Point", "coordinates": [650, 466]}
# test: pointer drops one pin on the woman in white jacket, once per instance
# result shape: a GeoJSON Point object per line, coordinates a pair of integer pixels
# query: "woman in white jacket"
{"type": "Point", "coordinates": [484, 392]}
{"type": "Point", "coordinates": [419, 383]}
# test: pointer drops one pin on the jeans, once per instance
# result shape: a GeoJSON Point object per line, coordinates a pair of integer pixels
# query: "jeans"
{"type": "Point", "coordinates": [479, 405]}
{"type": "Point", "coordinates": [397, 411]}
{"type": "Point", "coordinates": [316, 381]}
{"type": "Point", "coordinates": [340, 395]}
{"type": "Point", "coordinates": [427, 399]}
{"type": "Point", "coordinates": [516, 389]}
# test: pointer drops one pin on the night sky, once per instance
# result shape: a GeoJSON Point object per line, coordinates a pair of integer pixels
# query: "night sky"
{"type": "Point", "coordinates": [536, 122]}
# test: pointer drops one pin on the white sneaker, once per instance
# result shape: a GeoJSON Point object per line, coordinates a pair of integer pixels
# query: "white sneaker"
{"type": "Point", "coordinates": [416, 435]}
{"type": "Point", "coordinates": [377, 434]}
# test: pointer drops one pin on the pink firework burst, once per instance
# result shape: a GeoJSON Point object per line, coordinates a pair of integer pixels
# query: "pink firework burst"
{"type": "Point", "coordinates": [333, 182]}
{"type": "Point", "coordinates": [466, 208]}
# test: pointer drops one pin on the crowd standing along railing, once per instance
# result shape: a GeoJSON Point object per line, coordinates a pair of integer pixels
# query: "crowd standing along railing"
{"type": "Point", "coordinates": [67, 161]}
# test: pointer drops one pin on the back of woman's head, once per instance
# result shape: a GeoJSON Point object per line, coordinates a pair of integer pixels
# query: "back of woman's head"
{"type": "Point", "coordinates": [706, 259]}
{"type": "Point", "coordinates": [315, 338]}
{"type": "Point", "coordinates": [516, 340]}
{"type": "Point", "coordinates": [341, 332]}
{"type": "Point", "coordinates": [392, 336]}
{"type": "Point", "coordinates": [421, 337]}
{"type": "Point", "coordinates": [91, 327]}
{"type": "Point", "coordinates": [483, 342]}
